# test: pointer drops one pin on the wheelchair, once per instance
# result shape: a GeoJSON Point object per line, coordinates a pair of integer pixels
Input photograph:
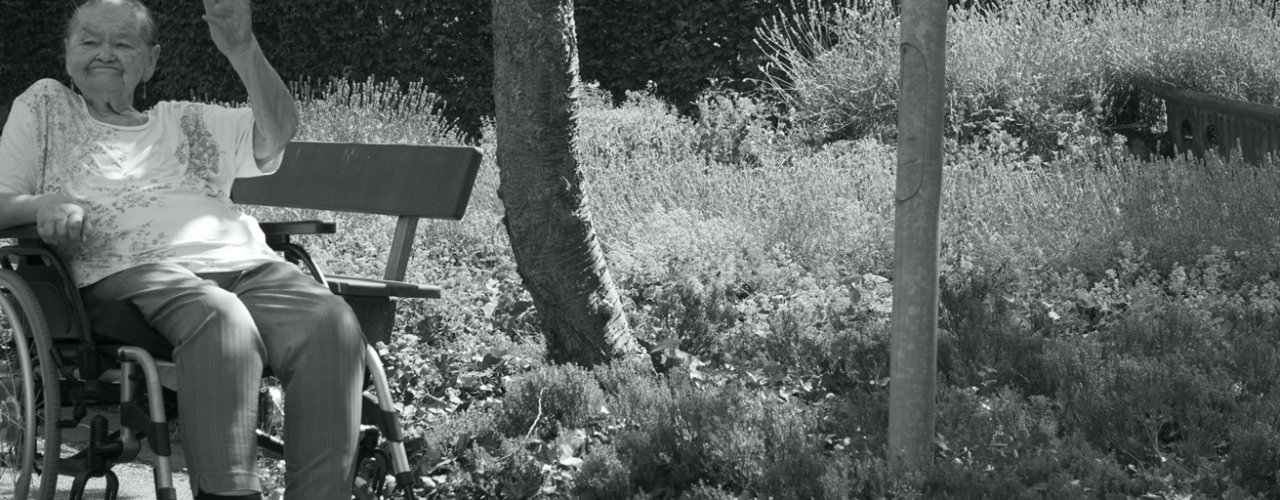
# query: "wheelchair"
{"type": "Point", "coordinates": [55, 365]}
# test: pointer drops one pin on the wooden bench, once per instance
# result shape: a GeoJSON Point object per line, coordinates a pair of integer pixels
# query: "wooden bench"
{"type": "Point", "coordinates": [410, 182]}
{"type": "Point", "coordinates": [1200, 123]}
{"type": "Point", "coordinates": [407, 181]}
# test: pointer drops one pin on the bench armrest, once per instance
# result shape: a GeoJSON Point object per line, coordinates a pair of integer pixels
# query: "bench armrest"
{"type": "Point", "coordinates": [369, 287]}
{"type": "Point", "coordinates": [296, 227]}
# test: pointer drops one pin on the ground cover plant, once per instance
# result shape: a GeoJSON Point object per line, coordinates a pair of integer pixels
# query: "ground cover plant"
{"type": "Point", "coordinates": [1108, 327]}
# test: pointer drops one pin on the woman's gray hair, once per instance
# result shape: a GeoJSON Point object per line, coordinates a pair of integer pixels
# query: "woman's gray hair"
{"type": "Point", "coordinates": [145, 21]}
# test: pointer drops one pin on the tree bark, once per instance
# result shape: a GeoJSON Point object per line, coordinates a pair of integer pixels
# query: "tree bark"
{"type": "Point", "coordinates": [557, 254]}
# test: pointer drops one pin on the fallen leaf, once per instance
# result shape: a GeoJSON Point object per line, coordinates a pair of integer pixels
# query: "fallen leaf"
{"type": "Point", "coordinates": [571, 461]}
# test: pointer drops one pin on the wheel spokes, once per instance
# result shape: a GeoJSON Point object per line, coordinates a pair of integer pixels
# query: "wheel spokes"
{"type": "Point", "coordinates": [21, 404]}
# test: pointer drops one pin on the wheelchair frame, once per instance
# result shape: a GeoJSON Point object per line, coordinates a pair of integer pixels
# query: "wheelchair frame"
{"type": "Point", "coordinates": [49, 351]}
{"type": "Point", "coordinates": [59, 358]}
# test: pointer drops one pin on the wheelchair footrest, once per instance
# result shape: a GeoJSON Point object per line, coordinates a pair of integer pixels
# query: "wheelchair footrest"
{"type": "Point", "coordinates": [73, 465]}
{"type": "Point", "coordinates": [270, 446]}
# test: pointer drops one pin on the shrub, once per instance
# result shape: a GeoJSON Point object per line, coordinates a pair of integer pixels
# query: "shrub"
{"type": "Point", "coordinates": [683, 436]}
{"type": "Point", "coordinates": [834, 69]}
{"type": "Point", "coordinates": [991, 348]}
{"type": "Point", "coordinates": [1075, 471]}
{"type": "Point", "coordinates": [647, 164]}
{"type": "Point", "coordinates": [737, 129]}
{"type": "Point", "coordinates": [550, 399]}
{"type": "Point", "coordinates": [373, 112]}
{"type": "Point", "coordinates": [1180, 211]}
{"type": "Point", "coordinates": [603, 476]}
{"type": "Point", "coordinates": [1255, 456]}
{"type": "Point", "coordinates": [1003, 445]}
{"type": "Point", "coordinates": [1142, 409]}
{"type": "Point", "coordinates": [800, 471]}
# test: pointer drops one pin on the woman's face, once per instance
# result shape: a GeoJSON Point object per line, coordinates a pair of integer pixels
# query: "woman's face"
{"type": "Point", "coordinates": [106, 51]}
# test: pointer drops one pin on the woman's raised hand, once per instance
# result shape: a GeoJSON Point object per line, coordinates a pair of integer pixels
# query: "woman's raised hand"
{"type": "Point", "coordinates": [275, 114]}
{"type": "Point", "coordinates": [231, 25]}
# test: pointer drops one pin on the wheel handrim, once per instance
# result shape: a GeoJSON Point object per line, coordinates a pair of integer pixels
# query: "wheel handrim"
{"type": "Point", "coordinates": [17, 440]}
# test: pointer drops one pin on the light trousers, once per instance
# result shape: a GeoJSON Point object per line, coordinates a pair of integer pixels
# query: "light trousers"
{"type": "Point", "coordinates": [225, 327]}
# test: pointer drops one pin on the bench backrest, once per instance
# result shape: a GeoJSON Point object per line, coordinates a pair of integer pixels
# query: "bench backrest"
{"type": "Point", "coordinates": [408, 181]}
{"type": "Point", "coordinates": [431, 181]}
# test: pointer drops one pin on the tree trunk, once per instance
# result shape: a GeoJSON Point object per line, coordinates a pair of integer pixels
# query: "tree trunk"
{"type": "Point", "coordinates": [536, 87]}
{"type": "Point", "coordinates": [913, 352]}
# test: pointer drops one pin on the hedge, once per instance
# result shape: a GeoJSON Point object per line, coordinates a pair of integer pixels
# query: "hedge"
{"type": "Point", "coordinates": [680, 46]}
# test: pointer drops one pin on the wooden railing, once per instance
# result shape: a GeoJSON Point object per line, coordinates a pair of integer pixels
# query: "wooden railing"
{"type": "Point", "coordinates": [1201, 122]}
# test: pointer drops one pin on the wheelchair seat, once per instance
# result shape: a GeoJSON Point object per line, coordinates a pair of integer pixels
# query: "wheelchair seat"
{"type": "Point", "coordinates": [119, 322]}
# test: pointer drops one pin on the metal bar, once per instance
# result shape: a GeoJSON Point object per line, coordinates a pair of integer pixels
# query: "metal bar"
{"type": "Point", "coordinates": [163, 473]}
{"type": "Point", "coordinates": [399, 458]}
{"type": "Point", "coordinates": [128, 390]}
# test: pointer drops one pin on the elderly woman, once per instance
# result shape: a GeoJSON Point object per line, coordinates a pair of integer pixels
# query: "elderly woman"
{"type": "Point", "coordinates": [138, 204]}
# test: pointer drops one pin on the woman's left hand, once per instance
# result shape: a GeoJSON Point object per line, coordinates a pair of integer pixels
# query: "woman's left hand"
{"type": "Point", "coordinates": [231, 25]}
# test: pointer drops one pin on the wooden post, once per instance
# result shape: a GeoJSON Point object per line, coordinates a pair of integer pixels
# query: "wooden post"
{"type": "Point", "coordinates": [914, 348]}
{"type": "Point", "coordinates": [401, 248]}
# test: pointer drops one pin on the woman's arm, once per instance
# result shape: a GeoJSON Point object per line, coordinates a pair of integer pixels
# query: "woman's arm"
{"type": "Point", "coordinates": [58, 218]}
{"type": "Point", "coordinates": [275, 114]}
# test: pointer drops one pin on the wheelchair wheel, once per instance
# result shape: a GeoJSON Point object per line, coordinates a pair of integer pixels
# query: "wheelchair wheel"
{"type": "Point", "coordinates": [30, 403]}
{"type": "Point", "coordinates": [373, 466]}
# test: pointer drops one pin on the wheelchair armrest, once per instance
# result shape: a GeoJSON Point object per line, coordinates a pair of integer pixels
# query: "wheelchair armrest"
{"type": "Point", "coordinates": [28, 231]}
{"type": "Point", "coordinates": [296, 227]}
{"type": "Point", "coordinates": [23, 232]}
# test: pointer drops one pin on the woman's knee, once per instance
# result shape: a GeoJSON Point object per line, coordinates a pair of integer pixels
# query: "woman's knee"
{"type": "Point", "coordinates": [322, 345]}
{"type": "Point", "coordinates": [295, 312]}
{"type": "Point", "coordinates": [339, 324]}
